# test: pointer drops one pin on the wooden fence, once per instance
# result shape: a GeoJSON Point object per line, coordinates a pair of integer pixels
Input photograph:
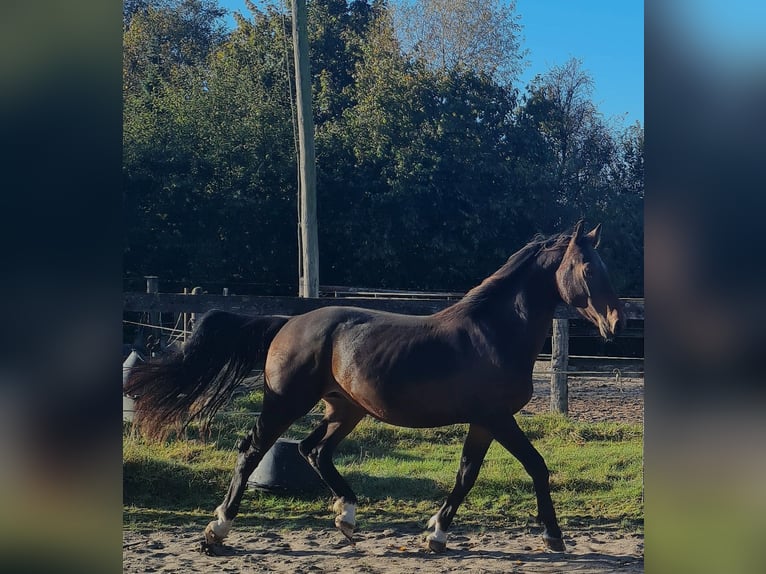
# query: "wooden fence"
{"type": "Point", "coordinates": [414, 303]}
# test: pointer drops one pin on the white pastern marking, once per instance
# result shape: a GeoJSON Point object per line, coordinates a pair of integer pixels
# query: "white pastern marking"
{"type": "Point", "coordinates": [438, 534]}
{"type": "Point", "coordinates": [346, 512]}
{"type": "Point", "coordinates": [223, 526]}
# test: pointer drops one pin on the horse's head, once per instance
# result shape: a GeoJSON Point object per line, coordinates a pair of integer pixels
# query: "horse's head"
{"type": "Point", "coordinates": [583, 282]}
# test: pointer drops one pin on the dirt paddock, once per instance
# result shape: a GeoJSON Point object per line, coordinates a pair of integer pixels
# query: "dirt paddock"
{"type": "Point", "coordinates": [590, 549]}
{"type": "Point", "coordinates": [602, 398]}
{"type": "Point", "coordinates": [384, 552]}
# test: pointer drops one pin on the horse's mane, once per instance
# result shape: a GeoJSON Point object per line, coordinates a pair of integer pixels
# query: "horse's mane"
{"type": "Point", "coordinates": [503, 277]}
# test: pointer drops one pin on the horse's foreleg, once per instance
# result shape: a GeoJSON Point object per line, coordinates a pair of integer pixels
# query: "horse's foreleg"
{"type": "Point", "coordinates": [474, 449]}
{"type": "Point", "coordinates": [318, 449]}
{"type": "Point", "coordinates": [515, 441]}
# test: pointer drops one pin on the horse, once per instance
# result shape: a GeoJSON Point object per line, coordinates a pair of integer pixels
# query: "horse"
{"type": "Point", "coordinates": [470, 363]}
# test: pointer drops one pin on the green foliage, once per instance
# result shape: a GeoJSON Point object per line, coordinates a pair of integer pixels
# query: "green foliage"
{"type": "Point", "coordinates": [428, 177]}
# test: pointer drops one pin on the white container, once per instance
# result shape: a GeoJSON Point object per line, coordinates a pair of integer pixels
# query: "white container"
{"type": "Point", "coordinates": [128, 404]}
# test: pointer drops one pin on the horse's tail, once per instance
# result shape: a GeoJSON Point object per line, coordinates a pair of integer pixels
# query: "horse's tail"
{"type": "Point", "coordinates": [198, 379]}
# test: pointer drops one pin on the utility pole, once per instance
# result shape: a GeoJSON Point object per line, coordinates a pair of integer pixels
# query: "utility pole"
{"type": "Point", "coordinates": [307, 211]}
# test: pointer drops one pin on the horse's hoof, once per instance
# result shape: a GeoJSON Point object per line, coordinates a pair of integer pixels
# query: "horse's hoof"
{"type": "Point", "coordinates": [346, 529]}
{"type": "Point", "coordinates": [555, 544]}
{"type": "Point", "coordinates": [435, 546]}
{"type": "Point", "coordinates": [211, 538]}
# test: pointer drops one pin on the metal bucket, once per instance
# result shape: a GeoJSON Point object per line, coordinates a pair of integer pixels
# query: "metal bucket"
{"type": "Point", "coordinates": [284, 471]}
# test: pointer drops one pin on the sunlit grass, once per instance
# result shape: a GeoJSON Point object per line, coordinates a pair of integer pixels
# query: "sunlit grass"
{"type": "Point", "coordinates": [400, 475]}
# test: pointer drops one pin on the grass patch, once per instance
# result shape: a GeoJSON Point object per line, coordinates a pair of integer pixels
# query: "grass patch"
{"type": "Point", "coordinates": [400, 475]}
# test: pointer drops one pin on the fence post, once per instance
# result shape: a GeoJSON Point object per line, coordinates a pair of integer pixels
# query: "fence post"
{"type": "Point", "coordinates": [185, 318]}
{"type": "Point", "coordinates": [193, 320]}
{"type": "Point", "coordinates": [155, 317]}
{"type": "Point", "coordinates": [559, 366]}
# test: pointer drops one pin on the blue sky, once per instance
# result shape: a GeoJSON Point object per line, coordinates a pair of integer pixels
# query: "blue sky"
{"type": "Point", "coordinates": [607, 35]}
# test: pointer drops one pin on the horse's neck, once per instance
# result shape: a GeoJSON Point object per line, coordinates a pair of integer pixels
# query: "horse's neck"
{"type": "Point", "coordinates": [520, 316]}
{"type": "Point", "coordinates": [516, 303]}
{"type": "Point", "coordinates": [531, 303]}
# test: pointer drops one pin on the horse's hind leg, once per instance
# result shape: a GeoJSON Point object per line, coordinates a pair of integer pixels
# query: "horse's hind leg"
{"type": "Point", "coordinates": [515, 441]}
{"type": "Point", "coordinates": [276, 416]}
{"type": "Point", "coordinates": [474, 449]}
{"type": "Point", "coordinates": [340, 419]}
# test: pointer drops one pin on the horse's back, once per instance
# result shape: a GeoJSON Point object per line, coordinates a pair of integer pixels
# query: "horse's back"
{"type": "Point", "coordinates": [304, 346]}
{"type": "Point", "coordinates": [331, 346]}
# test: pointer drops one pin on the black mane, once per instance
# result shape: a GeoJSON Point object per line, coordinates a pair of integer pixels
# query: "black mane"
{"type": "Point", "coordinates": [512, 269]}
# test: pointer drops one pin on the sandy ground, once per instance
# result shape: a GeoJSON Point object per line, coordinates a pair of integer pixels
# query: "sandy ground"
{"type": "Point", "coordinates": [605, 398]}
{"type": "Point", "coordinates": [590, 550]}
{"type": "Point", "coordinates": [382, 552]}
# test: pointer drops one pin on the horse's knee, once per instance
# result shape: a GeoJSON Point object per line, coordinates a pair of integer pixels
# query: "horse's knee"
{"type": "Point", "coordinates": [305, 449]}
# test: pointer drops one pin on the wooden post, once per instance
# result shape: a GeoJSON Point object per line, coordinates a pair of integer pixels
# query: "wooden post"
{"type": "Point", "coordinates": [559, 366]}
{"type": "Point", "coordinates": [155, 317]}
{"type": "Point", "coordinates": [193, 320]}
{"type": "Point", "coordinates": [307, 215]}
{"type": "Point", "coordinates": [152, 283]}
{"type": "Point", "coordinates": [185, 318]}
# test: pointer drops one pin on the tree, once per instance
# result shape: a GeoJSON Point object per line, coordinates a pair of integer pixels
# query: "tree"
{"type": "Point", "coordinates": [354, 153]}
{"type": "Point", "coordinates": [624, 210]}
{"type": "Point", "coordinates": [575, 165]}
{"type": "Point", "coordinates": [166, 44]}
{"type": "Point", "coordinates": [162, 37]}
{"type": "Point", "coordinates": [336, 32]}
{"type": "Point", "coordinates": [428, 174]}
{"type": "Point", "coordinates": [580, 144]}
{"type": "Point", "coordinates": [478, 35]}
{"type": "Point", "coordinates": [246, 134]}
{"type": "Point", "coordinates": [419, 172]}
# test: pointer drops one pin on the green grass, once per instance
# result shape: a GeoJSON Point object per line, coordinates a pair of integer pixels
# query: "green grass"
{"type": "Point", "coordinates": [401, 476]}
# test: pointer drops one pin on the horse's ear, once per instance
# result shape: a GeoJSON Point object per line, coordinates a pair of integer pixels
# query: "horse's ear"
{"type": "Point", "coordinates": [594, 236]}
{"type": "Point", "coordinates": [577, 234]}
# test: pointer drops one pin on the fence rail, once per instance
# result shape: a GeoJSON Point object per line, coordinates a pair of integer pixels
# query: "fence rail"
{"type": "Point", "coordinates": [260, 305]}
{"type": "Point", "coordinates": [413, 303]}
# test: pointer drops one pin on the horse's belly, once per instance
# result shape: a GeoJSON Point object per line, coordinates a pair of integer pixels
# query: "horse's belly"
{"type": "Point", "coordinates": [439, 404]}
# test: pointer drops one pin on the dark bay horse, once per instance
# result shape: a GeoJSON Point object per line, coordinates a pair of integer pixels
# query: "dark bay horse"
{"type": "Point", "coordinates": [470, 363]}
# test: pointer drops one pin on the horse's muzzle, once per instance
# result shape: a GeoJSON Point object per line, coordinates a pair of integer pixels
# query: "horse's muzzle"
{"type": "Point", "coordinates": [613, 325]}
